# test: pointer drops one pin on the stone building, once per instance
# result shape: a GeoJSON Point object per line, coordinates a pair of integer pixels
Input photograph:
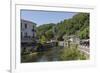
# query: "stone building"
{"type": "Point", "coordinates": [72, 39]}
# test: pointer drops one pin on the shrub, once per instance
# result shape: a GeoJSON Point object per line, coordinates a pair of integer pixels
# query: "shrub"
{"type": "Point", "coordinates": [72, 53]}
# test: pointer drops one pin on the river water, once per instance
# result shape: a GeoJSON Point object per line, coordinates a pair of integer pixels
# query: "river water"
{"type": "Point", "coordinates": [51, 54]}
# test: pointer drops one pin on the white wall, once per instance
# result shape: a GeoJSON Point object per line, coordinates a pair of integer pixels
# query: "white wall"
{"type": "Point", "coordinates": [27, 30]}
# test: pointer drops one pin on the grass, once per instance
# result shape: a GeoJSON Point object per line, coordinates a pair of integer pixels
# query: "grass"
{"type": "Point", "coordinates": [72, 53]}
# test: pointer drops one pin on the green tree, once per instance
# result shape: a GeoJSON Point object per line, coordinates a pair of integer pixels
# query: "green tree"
{"type": "Point", "coordinates": [49, 35]}
{"type": "Point", "coordinates": [43, 39]}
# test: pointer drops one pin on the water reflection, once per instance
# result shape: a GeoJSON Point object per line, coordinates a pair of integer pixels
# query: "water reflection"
{"type": "Point", "coordinates": [48, 55]}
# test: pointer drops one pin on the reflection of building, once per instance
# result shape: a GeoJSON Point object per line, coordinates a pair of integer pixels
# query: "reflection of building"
{"type": "Point", "coordinates": [72, 39]}
{"type": "Point", "coordinates": [28, 32]}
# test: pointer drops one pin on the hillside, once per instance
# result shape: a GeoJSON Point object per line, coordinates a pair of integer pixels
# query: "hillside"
{"type": "Point", "coordinates": [77, 25]}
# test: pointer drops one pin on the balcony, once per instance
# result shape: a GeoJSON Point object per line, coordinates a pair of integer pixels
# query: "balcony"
{"type": "Point", "coordinates": [27, 39]}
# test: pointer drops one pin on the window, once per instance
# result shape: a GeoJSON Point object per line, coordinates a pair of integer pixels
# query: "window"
{"type": "Point", "coordinates": [25, 25]}
{"type": "Point", "coordinates": [26, 34]}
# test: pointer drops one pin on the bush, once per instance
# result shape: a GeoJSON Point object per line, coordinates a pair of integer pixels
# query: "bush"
{"type": "Point", "coordinates": [71, 53]}
{"type": "Point", "coordinates": [82, 56]}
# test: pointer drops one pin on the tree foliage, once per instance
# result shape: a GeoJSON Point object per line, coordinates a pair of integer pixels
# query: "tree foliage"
{"type": "Point", "coordinates": [77, 25]}
{"type": "Point", "coordinates": [72, 54]}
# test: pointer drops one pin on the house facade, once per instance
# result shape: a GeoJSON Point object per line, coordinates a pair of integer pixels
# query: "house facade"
{"type": "Point", "coordinates": [28, 31]}
{"type": "Point", "coordinates": [72, 39]}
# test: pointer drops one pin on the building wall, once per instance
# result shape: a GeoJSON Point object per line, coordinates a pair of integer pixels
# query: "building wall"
{"type": "Point", "coordinates": [27, 28]}
{"type": "Point", "coordinates": [61, 43]}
